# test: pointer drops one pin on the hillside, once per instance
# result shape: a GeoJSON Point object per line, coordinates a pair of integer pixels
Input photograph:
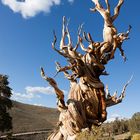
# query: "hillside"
{"type": "Point", "coordinates": [29, 117]}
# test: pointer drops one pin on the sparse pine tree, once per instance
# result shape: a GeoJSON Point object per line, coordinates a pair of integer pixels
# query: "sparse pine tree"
{"type": "Point", "coordinates": [5, 104]}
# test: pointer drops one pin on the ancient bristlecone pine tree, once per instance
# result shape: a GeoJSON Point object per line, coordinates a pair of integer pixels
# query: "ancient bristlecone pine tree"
{"type": "Point", "coordinates": [87, 99]}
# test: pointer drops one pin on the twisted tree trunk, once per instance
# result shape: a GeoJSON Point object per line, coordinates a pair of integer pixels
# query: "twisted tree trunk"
{"type": "Point", "coordinates": [87, 99]}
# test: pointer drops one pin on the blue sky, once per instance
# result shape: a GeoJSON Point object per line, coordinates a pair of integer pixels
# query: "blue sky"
{"type": "Point", "coordinates": [25, 45]}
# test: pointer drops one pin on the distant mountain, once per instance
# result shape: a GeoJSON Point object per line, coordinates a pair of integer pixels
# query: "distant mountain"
{"type": "Point", "coordinates": [30, 118]}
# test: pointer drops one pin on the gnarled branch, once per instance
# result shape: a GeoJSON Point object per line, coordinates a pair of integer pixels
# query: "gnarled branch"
{"type": "Point", "coordinates": [59, 93]}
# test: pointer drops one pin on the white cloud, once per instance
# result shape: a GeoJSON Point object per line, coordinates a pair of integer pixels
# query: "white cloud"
{"type": "Point", "coordinates": [33, 93]}
{"type": "Point", "coordinates": [30, 8]}
{"type": "Point", "coordinates": [24, 96]}
{"type": "Point", "coordinates": [44, 90]}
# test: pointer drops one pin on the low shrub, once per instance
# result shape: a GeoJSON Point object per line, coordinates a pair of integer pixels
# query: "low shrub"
{"type": "Point", "coordinates": [136, 137]}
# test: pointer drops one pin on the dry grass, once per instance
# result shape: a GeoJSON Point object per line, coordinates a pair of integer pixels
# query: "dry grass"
{"type": "Point", "coordinates": [30, 118]}
{"type": "Point", "coordinates": [136, 137]}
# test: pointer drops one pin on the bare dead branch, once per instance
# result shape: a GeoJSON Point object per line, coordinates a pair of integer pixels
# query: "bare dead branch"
{"type": "Point", "coordinates": [90, 38]}
{"type": "Point", "coordinates": [78, 36]}
{"type": "Point", "coordinates": [119, 41]}
{"type": "Point", "coordinates": [54, 41]}
{"type": "Point", "coordinates": [69, 38]}
{"type": "Point", "coordinates": [59, 93]}
{"type": "Point", "coordinates": [124, 88]}
{"type": "Point", "coordinates": [83, 47]}
{"type": "Point", "coordinates": [80, 28]}
{"type": "Point", "coordinates": [113, 100]}
{"type": "Point", "coordinates": [117, 10]}
{"type": "Point", "coordinates": [85, 37]}
{"type": "Point", "coordinates": [108, 6]}
{"type": "Point", "coordinates": [106, 91]}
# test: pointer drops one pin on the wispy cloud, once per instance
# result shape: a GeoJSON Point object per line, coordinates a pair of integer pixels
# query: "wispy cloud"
{"type": "Point", "coordinates": [33, 92]}
{"type": "Point", "coordinates": [71, 1]}
{"type": "Point", "coordinates": [38, 104]}
{"type": "Point", "coordinates": [44, 90]}
{"type": "Point", "coordinates": [24, 96]}
{"type": "Point", "coordinates": [30, 8]}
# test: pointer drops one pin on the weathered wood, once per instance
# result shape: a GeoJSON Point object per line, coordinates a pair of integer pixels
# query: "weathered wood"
{"type": "Point", "coordinates": [87, 98]}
